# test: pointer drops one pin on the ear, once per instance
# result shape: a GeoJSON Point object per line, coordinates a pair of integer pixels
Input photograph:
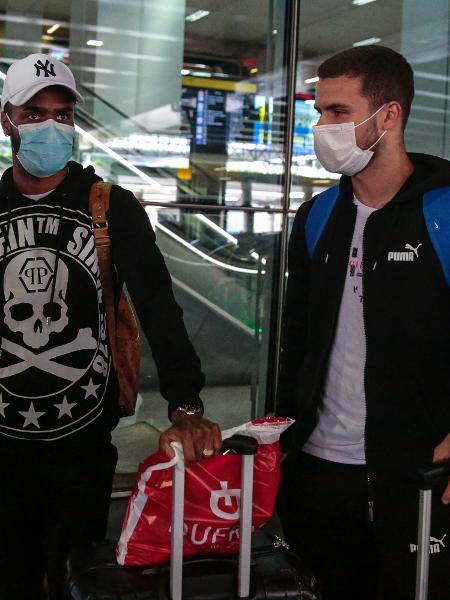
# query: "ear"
{"type": "Point", "coordinates": [394, 115]}
{"type": "Point", "coordinates": [6, 125]}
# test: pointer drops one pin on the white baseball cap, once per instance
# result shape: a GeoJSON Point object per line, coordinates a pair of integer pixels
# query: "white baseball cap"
{"type": "Point", "coordinates": [30, 75]}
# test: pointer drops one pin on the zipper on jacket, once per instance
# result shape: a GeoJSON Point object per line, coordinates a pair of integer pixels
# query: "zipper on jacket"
{"type": "Point", "coordinates": [370, 502]}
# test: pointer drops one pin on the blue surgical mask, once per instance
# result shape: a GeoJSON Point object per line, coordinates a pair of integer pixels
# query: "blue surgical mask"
{"type": "Point", "coordinates": [45, 147]}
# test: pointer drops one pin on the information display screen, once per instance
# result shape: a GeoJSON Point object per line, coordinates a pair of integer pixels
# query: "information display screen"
{"type": "Point", "coordinates": [305, 117]}
{"type": "Point", "coordinates": [205, 111]}
{"type": "Point", "coordinates": [217, 117]}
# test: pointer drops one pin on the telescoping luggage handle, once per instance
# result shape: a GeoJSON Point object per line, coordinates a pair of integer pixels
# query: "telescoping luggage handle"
{"type": "Point", "coordinates": [428, 479]}
{"type": "Point", "coordinates": [246, 446]}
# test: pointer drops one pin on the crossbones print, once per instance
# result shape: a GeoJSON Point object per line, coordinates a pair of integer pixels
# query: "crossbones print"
{"type": "Point", "coordinates": [44, 360]}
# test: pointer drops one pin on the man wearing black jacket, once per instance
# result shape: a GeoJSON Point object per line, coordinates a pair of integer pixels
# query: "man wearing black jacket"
{"type": "Point", "coordinates": [366, 345]}
{"type": "Point", "coordinates": [59, 390]}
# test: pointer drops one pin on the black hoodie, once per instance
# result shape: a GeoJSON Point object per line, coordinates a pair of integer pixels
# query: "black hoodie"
{"type": "Point", "coordinates": [57, 383]}
{"type": "Point", "coordinates": [406, 320]}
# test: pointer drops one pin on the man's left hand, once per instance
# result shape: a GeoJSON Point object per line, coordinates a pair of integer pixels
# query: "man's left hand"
{"type": "Point", "coordinates": [442, 452]}
{"type": "Point", "coordinates": [199, 437]}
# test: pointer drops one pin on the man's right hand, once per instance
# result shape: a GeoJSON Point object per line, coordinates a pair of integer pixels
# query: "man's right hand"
{"type": "Point", "coordinates": [199, 437]}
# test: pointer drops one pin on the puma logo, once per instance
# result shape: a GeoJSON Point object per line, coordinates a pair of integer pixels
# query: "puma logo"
{"type": "Point", "coordinates": [436, 545]}
{"type": "Point", "coordinates": [408, 255]}
{"type": "Point", "coordinates": [439, 541]}
{"type": "Point", "coordinates": [415, 250]}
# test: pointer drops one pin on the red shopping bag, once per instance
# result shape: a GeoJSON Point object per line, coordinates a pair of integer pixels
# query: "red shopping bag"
{"type": "Point", "coordinates": [212, 492]}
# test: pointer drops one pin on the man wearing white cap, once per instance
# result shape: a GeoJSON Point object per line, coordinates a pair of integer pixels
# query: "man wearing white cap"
{"type": "Point", "coordinates": [58, 387]}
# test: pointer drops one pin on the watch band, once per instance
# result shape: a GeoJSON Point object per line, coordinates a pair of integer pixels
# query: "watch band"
{"type": "Point", "coordinates": [190, 409]}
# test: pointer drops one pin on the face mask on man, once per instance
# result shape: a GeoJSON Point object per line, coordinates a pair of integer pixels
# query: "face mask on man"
{"type": "Point", "coordinates": [336, 148]}
{"type": "Point", "coordinates": [45, 147]}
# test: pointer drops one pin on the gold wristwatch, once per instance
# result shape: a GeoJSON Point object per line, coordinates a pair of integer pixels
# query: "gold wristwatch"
{"type": "Point", "coordinates": [193, 410]}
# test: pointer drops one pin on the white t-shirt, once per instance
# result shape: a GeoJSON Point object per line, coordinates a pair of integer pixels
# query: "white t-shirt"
{"type": "Point", "coordinates": [339, 433]}
{"type": "Point", "coordinates": [37, 197]}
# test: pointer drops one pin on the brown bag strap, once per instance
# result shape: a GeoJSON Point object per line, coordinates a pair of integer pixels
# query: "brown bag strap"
{"type": "Point", "coordinates": [98, 207]}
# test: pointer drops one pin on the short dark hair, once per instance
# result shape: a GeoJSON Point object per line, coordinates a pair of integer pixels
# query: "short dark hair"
{"type": "Point", "coordinates": [385, 74]}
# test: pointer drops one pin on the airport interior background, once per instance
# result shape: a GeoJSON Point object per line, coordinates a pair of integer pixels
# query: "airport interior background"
{"type": "Point", "coordinates": [199, 107]}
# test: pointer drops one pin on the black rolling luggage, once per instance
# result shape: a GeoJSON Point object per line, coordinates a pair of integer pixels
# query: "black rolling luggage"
{"type": "Point", "coordinates": [266, 570]}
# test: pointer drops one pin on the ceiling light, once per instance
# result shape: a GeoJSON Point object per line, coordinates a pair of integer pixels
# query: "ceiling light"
{"type": "Point", "coordinates": [367, 42]}
{"type": "Point", "coordinates": [96, 43]}
{"type": "Point", "coordinates": [53, 28]}
{"type": "Point", "coordinates": [312, 80]}
{"type": "Point", "coordinates": [185, 71]}
{"type": "Point", "coordinates": [197, 15]}
{"type": "Point", "coordinates": [361, 2]}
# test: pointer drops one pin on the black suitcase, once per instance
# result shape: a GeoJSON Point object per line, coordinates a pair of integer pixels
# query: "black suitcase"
{"type": "Point", "coordinates": [265, 570]}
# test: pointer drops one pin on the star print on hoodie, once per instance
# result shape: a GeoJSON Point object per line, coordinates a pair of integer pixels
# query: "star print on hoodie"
{"type": "Point", "coordinates": [57, 381]}
{"type": "Point", "coordinates": [56, 361]}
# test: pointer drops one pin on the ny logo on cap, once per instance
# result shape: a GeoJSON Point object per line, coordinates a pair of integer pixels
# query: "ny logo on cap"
{"type": "Point", "coordinates": [48, 69]}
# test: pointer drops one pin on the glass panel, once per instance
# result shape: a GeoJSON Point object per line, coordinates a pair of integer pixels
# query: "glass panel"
{"type": "Point", "coordinates": [191, 101]}
{"type": "Point", "coordinates": [425, 43]}
{"type": "Point", "coordinates": [409, 27]}
{"type": "Point", "coordinates": [224, 283]}
{"type": "Point", "coordinates": [184, 103]}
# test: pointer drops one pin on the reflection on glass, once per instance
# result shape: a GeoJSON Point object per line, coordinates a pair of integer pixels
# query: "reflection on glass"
{"type": "Point", "coordinates": [224, 270]}
{"type": "Point", "coordinates": [182, 104]}
{"type": "Point", "coordinates": [224, 284]}
{"type": "Point", "coordinates": [409, 27]}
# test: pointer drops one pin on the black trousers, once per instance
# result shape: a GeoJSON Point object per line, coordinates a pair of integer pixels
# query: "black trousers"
{"type": "Point", "coordinates": [49, 502]}
{"type": "Point", "coordinates": [323, 507]}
